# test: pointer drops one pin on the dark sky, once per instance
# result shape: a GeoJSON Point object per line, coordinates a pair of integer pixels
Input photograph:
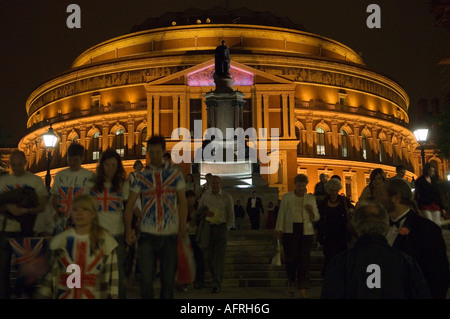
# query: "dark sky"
{"type": "Point", "coordinates": [36, 45]}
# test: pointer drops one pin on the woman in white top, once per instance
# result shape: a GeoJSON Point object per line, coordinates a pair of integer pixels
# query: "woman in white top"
{"type": "Point", "coordinates": [110, 188]}
{"type": "Point", "coordinates": [298, 211]}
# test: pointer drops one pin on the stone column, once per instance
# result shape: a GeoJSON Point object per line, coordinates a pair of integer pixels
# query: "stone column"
{"type": "Point", "coordinates": [285, 110]}
{"type": "Point", "coordinates": [156, 100]}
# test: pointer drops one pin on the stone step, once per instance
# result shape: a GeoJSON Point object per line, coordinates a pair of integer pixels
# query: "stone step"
{"type": "Point", "coordinates": [265, 267]}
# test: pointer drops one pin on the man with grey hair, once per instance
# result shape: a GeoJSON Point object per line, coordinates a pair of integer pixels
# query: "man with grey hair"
{"type": "Point", "coordinates": [416, 236]}
{"type": "Point", "coordinates": [372, 269]}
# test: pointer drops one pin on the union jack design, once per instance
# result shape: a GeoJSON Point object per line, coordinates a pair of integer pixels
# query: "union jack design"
{"type": "Point", "coordinates": [108, 201]}
{"type": "Point", "coordinates": [79, 253]}
{"type": "Point", "coordinates": [158, 190]}
{"type": "Point", "coordinates": [12, 187]}
{"type": "Point", "coordinates": [66, 196]}
{"type": "Point", "coordinates": [27, 249]}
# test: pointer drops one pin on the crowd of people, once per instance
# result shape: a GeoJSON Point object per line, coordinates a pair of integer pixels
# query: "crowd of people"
{"type": "Point", "coordinates": [115, 227]}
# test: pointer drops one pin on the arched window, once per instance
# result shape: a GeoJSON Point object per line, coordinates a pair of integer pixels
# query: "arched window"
{"type": "Point", "coordinates": [299, 145]}
{"type": "Point", "coordinates": [119, 142]}
{"type": "Point", "coordinates": [381, 151]}
{"type": "Point", "coordinates": [320, 141]}
{"type": "Point", "coordinates": [96, 146]}
{"type": "Point", "coordinates": [143, 140]}
{"type": "Point", "coordinates": [364, 146]}
{"type": "Point", "coordinates": [344, 143]}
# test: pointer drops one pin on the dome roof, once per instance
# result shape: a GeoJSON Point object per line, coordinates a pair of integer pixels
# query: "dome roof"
{"type": "Point", "coordinates": [217, 15]}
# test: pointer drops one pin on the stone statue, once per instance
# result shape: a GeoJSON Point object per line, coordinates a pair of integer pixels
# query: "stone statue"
{"type": "Point", "coordinates": [222, 62]}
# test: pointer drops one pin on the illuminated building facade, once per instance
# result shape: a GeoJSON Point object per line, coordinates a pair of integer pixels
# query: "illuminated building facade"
{"type": "Point", "coordinates": [334, 114]}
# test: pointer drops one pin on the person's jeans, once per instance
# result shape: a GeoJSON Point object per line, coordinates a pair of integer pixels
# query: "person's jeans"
{"type": "Point", "coordinates": [121, 260]}
{"type": "Point", "coordinates": [149, 248]}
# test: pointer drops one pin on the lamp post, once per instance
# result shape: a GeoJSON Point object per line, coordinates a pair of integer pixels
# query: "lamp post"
{"type": "Point", "coordinates": [421, 136]}
{"type": "Point", "coordinates": [50, 139]}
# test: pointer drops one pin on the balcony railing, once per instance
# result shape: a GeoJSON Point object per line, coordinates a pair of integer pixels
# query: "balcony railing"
{"type": "Point", "coordinates": [103, 109]}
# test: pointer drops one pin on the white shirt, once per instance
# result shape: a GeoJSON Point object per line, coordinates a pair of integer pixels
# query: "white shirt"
{"type": "Point", "coordinates": [254, 202]}
{"type": "Point", "coordinates": [10, 182]}
{"type": "Point", "coordinates": [222, 206]}
{"type": "Point", "coordinates": [111, 207]}
{"type": "Point", "coordinates": [67, 185]}
{"type": "Point", "coordinates": [393, 230]}
{"type": "Point", "coordinates": [298, 210]}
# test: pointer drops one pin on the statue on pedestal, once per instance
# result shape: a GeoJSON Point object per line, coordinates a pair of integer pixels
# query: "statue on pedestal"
{"type": "Point", "coordinates": [222, 61]}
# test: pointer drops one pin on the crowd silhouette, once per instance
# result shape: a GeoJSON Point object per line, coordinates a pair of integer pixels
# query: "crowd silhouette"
{"type": "Point", "coordinates": [121, 228]}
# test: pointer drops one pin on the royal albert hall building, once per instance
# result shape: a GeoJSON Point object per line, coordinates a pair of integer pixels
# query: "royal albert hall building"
{"type": "Point", "coordinates": [335, 114]}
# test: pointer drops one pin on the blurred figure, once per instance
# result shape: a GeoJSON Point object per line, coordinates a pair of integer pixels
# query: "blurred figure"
{"type": "Point", "coordinates": [319, 189]}
{"type": "Point", "coordinates": [192, 185]}
{"type": "Point", "coordinates": [400, 171]}
{"type": "Point", "coordinates": [89, 246]}
{"type": "Point", "coordinates": [377, 177]}
{"type": "Point", "coordinates": [417, 236]}
{"type": "Point", "coordinates": [167, 158]}
{"type": "Point", "coordinates": [206, 186]}
{"type": "Point", "coordinates": [218, 206]}
{"type": "Point", "coordinates": [17, 220]}
{"type": "Point", "coordinates": [333, 227]}
{"type": "Point", "coordinates": [110, 189]}
{"type": "Point", "coordinates": [131, 258]}
{"type": "Point", "coordinates": [68, 184]}
{"type": "Point", "coordinates": [372, 269]}
{"type": "Point", "coordinates": [193, 220]}
{"type": "Point", "coordinates": [239, 215]}
{"type": "Point", "coordinates": [271, 220]}
{"type": "Point", "coordinates": [162, 189]}
{"type": "Point", "coordinates": [427, 195]}
{"type": "Point", "coordinates": [255, 210]}
{"type": "Point", "coordinates": [298, 212]}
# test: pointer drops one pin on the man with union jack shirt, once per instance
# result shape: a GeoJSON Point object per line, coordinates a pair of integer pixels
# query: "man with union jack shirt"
{"type": "Point", "coordinates": [9, 226]}
{"type": "Point", "coordinates": [68, 184]}
{"type": "Point", "coordinates": [164, 209]}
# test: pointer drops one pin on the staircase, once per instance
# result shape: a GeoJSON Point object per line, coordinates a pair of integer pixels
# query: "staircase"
{"type": "Point", "coordinates": [248, 261]}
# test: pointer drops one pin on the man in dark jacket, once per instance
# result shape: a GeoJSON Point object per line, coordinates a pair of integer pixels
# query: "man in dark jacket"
{"type": "Point", "coordinates": [417, 236]}
{"type": "Point", "coordinates": [372, 269]}
{"type": "Point", "coordinates": [254, 210]}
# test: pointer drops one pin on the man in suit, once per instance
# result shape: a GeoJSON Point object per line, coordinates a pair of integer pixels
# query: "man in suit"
{"type": "Point", "coordinates": [349, 276]}
{"type": "Point", "coordinates": [417, 236]}
{"type": "Point", "coordinates": [254, 209]}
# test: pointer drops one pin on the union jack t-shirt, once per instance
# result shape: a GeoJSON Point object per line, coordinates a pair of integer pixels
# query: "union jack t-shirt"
{"type": "Point", "coordinates": [110, 206]}
{"type": "Point", "coordinates": [68, 185]}
{"type": "Point", "coordinates": [98, 272]}
{"type": "Point", "coordinates": [158, 188]}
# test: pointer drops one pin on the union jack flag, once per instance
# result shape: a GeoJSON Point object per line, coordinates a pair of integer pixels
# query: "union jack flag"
{"type": "Point", "coordinates": [66, 196]}
{"type": "Point", "coordinates": [79, 253]}
{"type": "Point", "coordinates": [27, 249]}
{"type": "Point", "coordinates": [108, 201]}
{"type": "Point", "coordinates": [158, 191]}
{"type": "Point", "coordinates": [31, 257]}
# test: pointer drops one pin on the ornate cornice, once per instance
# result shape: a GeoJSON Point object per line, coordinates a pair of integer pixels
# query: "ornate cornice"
{"type": "Point", "coordinates": [141, 71]}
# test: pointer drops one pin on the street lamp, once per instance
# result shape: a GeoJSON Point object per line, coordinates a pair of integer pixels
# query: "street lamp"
{"type": "Point", "coordinates": [421, 137]}
{"type": "Point", "coordinates": [50, 139]}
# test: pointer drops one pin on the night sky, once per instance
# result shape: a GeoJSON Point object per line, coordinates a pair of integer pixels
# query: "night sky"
{"type": "Point", "coordinates": [36, 44]}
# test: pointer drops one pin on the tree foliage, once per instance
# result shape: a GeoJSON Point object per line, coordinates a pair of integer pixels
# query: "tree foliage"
{"type": "Point", "coordinates": [441, 132]}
